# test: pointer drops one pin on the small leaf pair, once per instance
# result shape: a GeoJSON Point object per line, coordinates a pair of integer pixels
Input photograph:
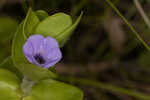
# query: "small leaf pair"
{"type": "Point", "coordinates": [47, 89]}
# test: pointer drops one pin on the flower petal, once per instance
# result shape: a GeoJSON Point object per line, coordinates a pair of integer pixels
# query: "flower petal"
{"type": "Point", "coordinates": [28, 51]}
{"type": "Point", "coordinates": [50, 42]}
{"type": "Point", "coordinates": [47, 48]}
{"type": "Point", "coordinates": [36, 42]}
{"type": "Point", "coordinates": [52, 57]}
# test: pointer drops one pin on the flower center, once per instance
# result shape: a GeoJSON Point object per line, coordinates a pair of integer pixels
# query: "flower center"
{"type": "Point", "coordinates": [39, 59]}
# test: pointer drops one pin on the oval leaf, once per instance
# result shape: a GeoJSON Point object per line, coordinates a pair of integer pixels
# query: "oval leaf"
{"type": "Point", "coordinates": [9, 65]}
{"type": "Point", "coordinates": [28, 98]}
{"type": "Point", "coordinates": [65, 35]}
{"type": "Point", "coordinates": [35, 72]}
{"type": "Point", "coordinates": [53, 25]}
{"type": "Point", "coordinates": [9, 79]}
{"type": "Point", "coordinates": [7, 93]}
{"type": "Point", "coordinates": [30, 23]}
{"type": "Point", "coordinates": [55, 90]}
{"type": "Point", "coordinates": [9, 85]}
{"type": "Point", "coordinates": [41, 14]}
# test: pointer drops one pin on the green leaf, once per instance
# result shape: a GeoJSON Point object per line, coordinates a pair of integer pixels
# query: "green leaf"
{"type": "Point", "coordinates": [21, 62]}
{"type": "Point", "coordinates": [65, 35]}
{"type": "Point", "coordinates": [17, 45]}
{"type": "Point", "coordinates": [30, 23]}
{"type": "Point", "coordinates": [36, 72]}
{"type": "Point", "coordinates": [7, 93]}
{"type": "Point", "coordinates": [9, 65]}
{"type": "Point", "coordinates": [9, 79]}
{"type": "Point", "coordinates": [53, 69]}
{"type": "Point", "coordinates": [9, 85]}
{"type": "Point", "coordinates": [41, 14]}
{"type": "Point", "coordinates": [28, 98]}
{"type": "Point", "coordinates": [8, 27]}
{"type": "Point", "coordinates": [55, 90]}
{"type": "Point", "coordinates": [54, 25]}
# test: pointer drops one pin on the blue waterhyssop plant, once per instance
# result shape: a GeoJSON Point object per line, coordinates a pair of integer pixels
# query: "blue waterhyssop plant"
{"type": "Point", "coordinates": [28, 74]}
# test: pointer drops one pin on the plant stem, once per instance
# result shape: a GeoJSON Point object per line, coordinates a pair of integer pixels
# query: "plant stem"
{"type": "Point", "coordinates": [26, 86]}
{"type": "Point", "coordinates": [129, 25]}
{"type": "Point", "coordinates": [106, 86]}
{"type": "Point", "coordinates": [31, 3]}
{"type": "Point", "coordinates": [78, 8]}
{"type": "Point", "coordinates": [142, 13]}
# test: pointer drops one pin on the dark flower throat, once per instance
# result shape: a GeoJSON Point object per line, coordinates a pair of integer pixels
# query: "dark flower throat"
{"type": "Point", "coordinates": [39, 59]}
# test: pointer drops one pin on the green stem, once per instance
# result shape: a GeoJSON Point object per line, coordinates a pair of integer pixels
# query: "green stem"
{"type": "Point", "coordinates": [31, 3]}
{"type": "Point", "coordinates": [26, 86]}
{"type": "Point", "coordinates": [129, 25]}
{"type": "Point", "coordinates": [78, 8]}
{"type": "Point", "coordinates": [106, 86]}
{"type": "Point", "coordinates": [142, 13]}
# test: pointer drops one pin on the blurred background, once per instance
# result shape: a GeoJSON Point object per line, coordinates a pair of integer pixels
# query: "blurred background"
{"type": "Point", "coordinates": [102, 47]}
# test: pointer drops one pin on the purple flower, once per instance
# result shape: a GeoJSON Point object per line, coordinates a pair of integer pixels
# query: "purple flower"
{"type": "Point", "coordinates": [42, 51]}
